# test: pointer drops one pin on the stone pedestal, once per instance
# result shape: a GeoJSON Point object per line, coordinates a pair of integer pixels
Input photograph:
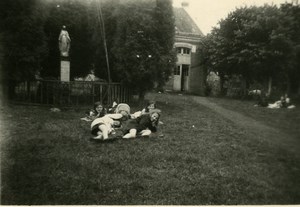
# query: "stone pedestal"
{"type": "Point", "coordinates": [64, 70]}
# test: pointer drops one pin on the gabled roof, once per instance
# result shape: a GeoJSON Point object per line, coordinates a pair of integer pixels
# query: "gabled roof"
{"type": "Point", "coordinates": [185, 25]}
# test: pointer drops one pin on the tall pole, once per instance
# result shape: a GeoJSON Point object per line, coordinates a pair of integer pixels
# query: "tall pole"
{"type": "Point", "coordinates": [102, 28]}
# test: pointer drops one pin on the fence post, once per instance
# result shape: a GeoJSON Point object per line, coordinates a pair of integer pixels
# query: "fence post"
{"type": "Point", "coordinates": [93, 90]}
{"type": "Point", "coordinates": [41, 91]}
{"type": "Point", "coordinates": [101, 91]}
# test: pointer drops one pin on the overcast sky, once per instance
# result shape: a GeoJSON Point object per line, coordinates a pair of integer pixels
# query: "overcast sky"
{"type": "Point", "coordinates": [207, 13]}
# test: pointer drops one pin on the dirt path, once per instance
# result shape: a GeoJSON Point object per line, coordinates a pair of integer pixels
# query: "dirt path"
{"type": "Point", "coordinates": [254, 127]}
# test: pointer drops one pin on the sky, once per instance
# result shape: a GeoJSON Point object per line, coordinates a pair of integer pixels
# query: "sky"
{"type": "Point", "coordinates": [207, 13]}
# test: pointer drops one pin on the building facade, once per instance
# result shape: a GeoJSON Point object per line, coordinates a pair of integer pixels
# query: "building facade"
{"type": "Point", "coordinates": [187, 76]}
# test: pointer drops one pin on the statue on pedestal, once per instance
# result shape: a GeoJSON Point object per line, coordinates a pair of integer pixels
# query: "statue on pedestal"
{"type": "Point", "coordinates": [64, 41]}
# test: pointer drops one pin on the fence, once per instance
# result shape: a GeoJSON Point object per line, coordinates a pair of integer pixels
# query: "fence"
{"type": "Point", "coordinates": [70, 93]}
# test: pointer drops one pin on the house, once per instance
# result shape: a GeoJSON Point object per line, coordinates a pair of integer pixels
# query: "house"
{"type": "Point", "coordinates": [187, 76]}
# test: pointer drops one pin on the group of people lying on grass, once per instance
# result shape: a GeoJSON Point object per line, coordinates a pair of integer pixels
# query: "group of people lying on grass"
{"type": "Point", "coordinates": [117, 121]}
{"type": "Point", "coordinates": [284, 102]}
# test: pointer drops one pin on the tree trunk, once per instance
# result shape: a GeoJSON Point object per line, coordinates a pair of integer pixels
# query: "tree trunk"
{"type": "Point", "coordinates": [4, 91]}
{"type": "Point", "coordinates": [269, 86]}
{"type": "Point", "coordinates": [28, 89]}
{"type": "Point", "coordinates": [222, 89]}
{"type": "Point", "coordinates": [246, 87]}
{"type": "Point", "coordinates": [142, 95]}
{"type": "Point", "coordinates": [288, 85]}
{"type": "Point", "coordinates": [11, 89]}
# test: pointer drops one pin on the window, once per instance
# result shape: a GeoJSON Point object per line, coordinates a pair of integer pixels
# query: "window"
{"type": "Point", "coordinates": [177, 70]}
{"type": "Point", "coordinates": [183, 50]}
{"type": "Point", "coordinates": [186, 51]}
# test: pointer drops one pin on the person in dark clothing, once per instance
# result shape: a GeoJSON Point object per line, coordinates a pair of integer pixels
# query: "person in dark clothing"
{"type": "Point", "coordinates": [97, 112]}
{"type": "Point", "coordinates": [262, 101]}
{"type": "Point", "coordinates": [143, 125]}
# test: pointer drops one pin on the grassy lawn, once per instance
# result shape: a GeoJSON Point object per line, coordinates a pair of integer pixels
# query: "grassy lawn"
{"type": "Point", "coordinates": [286, 120]}
{"type": "Point", "coordinates": [47, 159]}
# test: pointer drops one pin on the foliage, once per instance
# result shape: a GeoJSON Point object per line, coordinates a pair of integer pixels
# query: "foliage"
{"type": "Point", "coordinates": [98, 31]}
{"type": "Point", "coordinates": [73, 14]}
{"type": "Point", "coordinates": [143, 49]}
{"type": "Point", "coordinates": [164, 35]}
{"type": "Point", "coordinates": [139, 38]}
{"type": "Point", "coordinates": [256, 42]}
{"type": "Point", "coordinates": [24, 39]}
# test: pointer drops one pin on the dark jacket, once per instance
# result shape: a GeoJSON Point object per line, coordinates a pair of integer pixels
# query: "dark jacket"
{"type": "Point", "coordinates": [145, 122]}
{"type": "Point", "coordinates": [141, 123]}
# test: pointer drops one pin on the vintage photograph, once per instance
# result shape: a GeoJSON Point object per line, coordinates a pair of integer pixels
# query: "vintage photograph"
{"type": "Point", "coordinates": [150, 102]}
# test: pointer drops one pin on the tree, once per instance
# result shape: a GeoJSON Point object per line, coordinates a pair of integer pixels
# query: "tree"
{"type": "Point", "coordinates": [291, 20]}
{"type": "Point", "coordinates": [24, 40]}
{"type": "Point", "coordinates": [73, 14]}
{"type": "Point", "coordinates": [143, 50]}
{"type": "Point", "coordinates": [102, 27]}
{"type": "Point", "coordinates": [255, 42]}
{"type": "Point", "coordinates": [164, 34]}
{"type": "Point", "coordinates": [139, 36]}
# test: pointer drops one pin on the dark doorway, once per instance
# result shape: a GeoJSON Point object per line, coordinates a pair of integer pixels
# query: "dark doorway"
{"type": "Point", "coordinates": [184, 77]}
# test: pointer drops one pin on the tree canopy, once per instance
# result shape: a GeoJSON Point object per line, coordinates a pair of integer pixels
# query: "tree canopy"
{"type": "Point", "coordinates": [143, 51]}
{"type": "Point", "coordinates": [258, 43]}
{"type": "Point", "coordinates": [24, 39]}
{"type": "Point", "coordinates": [139, 37]}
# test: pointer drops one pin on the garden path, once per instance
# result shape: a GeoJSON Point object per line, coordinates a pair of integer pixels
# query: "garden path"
{"type": "Point", "coordinates": [254, 127]}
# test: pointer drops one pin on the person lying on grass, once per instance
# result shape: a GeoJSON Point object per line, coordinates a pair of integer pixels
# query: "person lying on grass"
{"type": "Point", "coordinates": [284, 102]}
{"type": "Point", "coordinates": [102, 127]}
{"type": "Point", "coordinates": [289, 105]}
{"type": "Point", "coordinates": [97, 112]}
{"type": "Point", "coordinates": [262, 100]}
{"type": "Point", "coordinates": [150, 106]}
{"type": "Point", "coordinates": [123, 109]}
{"type": "Point", "coordinates": [112, 109]}
{"type": "Point", "coordinates": [143, 125]}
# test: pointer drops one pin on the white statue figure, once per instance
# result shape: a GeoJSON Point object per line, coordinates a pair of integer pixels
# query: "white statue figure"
{"type": "Point", "coordinates": [64, 42]}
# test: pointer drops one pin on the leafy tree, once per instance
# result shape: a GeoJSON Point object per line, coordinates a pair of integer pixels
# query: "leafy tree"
{"type": "Point", "coordinates": [164, 34]}
{"type": "Point", "coordinates": [139, 36]}
{"type": "Point", "coordinates": [291, 20]}
{"type": "Point", "coordinates": [256, 42]}
{"type": "Point", "coordinates": [102, 26]}
{"type": "Point", "coordinates": [143, 44]}
{"type": "Point", "coordinates": [24, 40]}
{"type": "Point", "coordinates": [73, 14]}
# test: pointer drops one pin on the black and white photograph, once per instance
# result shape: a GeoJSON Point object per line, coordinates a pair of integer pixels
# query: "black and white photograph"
{"type": "Point", "coordinates": [150, 102]}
